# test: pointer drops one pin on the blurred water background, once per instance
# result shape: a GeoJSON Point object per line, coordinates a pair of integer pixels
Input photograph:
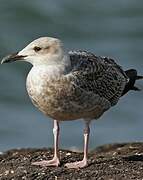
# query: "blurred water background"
{"type": "Point", "coordinates": [110, 28]}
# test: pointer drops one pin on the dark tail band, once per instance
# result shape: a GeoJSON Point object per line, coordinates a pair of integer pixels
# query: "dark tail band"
{"type": "Point", "coordinates": [132, 75]}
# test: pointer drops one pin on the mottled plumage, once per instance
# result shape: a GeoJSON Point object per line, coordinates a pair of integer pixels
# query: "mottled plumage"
{"type": "Point", "coordinates": [99, 75]}
{"type": "Point", "coordinates": [70, 86]}
{"type": "Point", "coordinates": [91, 87]}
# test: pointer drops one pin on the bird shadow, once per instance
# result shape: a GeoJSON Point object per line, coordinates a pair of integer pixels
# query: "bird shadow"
{"type": "Point", "coordinates": [134, 158]}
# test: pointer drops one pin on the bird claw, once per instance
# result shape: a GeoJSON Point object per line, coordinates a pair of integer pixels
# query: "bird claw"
{"type": "Point", "coordinates": [53, 162]}
{"type": "Point", "coordinates": [76, 165]}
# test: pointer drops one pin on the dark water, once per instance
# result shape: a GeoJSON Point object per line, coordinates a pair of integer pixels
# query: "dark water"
{"type": "Point", "coordinates": [112, 28]}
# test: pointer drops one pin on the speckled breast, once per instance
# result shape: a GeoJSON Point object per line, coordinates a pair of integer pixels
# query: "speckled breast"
{"type": "Point", "coordinates": [60, 99]}
{"type": "Point", "coordinates": [44, 96]}
{"type": "Point", "coordinates": [54, 97]}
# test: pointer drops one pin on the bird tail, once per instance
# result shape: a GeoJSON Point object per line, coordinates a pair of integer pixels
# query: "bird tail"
{"type": "Point", "coordinates": [132, 75]}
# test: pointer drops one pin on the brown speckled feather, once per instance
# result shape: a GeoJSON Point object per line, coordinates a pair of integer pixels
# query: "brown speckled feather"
{"type": "Point", "coordinates": [100, 75]}
{"type": "Point", "coordinates": [92, 86]}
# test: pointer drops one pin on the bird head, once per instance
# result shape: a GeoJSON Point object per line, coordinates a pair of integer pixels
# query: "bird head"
{"type": "Point", "coordinates": [42, 51]}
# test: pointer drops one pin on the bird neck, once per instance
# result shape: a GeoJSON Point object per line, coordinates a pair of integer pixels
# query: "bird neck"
{"type": "Point", "coordinates": [55, 70]}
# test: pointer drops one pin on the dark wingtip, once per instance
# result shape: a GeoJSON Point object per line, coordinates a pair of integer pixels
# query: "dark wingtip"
{"type": "Point", "coordinates": [139, 77]}
{"type": "Point", "coordinates": [136, 88]}
{"type": "Point", "coordinates": [132, 75]}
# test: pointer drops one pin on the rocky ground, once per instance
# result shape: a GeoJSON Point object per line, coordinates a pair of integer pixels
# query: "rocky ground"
{"type": "Point", "coordinates": [116, 162]}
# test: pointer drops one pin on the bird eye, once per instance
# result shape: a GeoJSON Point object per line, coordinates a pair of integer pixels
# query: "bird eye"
{"type": "Point", "coordinates": [48, 47]}
{"type": "Point", "coordinates": [36, 48]}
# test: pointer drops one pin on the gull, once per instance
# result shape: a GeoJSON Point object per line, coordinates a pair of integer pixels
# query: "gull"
{"type": "Point", "coordinates": [72, 85]}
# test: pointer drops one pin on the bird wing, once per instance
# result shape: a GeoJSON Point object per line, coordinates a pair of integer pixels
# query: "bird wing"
{"type": "Point", "coordinates": [98, 75]}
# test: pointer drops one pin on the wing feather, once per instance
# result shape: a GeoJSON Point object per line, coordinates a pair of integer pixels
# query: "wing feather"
{"type": "Point", "coordinates": [99, 75]}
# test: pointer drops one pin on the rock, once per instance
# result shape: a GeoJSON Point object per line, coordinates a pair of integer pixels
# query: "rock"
{"type": "Point", "coordinates": [114, 161]}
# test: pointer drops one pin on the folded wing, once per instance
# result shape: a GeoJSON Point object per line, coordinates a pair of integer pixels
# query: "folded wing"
{"type": "Point", "coordinates": [98, 75]}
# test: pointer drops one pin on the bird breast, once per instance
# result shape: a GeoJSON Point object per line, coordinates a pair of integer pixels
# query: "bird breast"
{"type": "Point", "coordinates": [56, 96]}
{"type": "Point", "coordinates": [50, 91]}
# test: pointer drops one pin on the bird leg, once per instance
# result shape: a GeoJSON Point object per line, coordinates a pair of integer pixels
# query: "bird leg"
{"type": "Point", "coordinates": [55, 161]}
{"type": "Point", "coordinates": [83, 163]}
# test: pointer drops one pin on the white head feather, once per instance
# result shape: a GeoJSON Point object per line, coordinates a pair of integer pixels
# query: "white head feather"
{"type": "Point", "coordinates": [45, 51]}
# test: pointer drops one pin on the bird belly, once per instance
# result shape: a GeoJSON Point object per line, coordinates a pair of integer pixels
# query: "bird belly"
{"type": "Point", "coordinates": [60, 100]}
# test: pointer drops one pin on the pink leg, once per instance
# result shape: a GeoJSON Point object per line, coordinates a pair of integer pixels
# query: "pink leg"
{"type": "Point", "coordinates": [55, 161]}
{"type": "Point", "coordinates": [83, 163]}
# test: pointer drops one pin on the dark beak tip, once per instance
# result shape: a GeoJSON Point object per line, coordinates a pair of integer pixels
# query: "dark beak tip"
{"type": "Point", "coordinates": [12, 58]}
{"type": "Point", "coordinates": [5, 60]}
{"type": "Point", "coordinates": [2, 61]}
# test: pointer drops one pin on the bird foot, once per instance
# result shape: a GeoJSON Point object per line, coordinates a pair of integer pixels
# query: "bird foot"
{"type": "Point", "coordinates": [53, 162]}
{"type": "Point", "coordinates": [76, 165]}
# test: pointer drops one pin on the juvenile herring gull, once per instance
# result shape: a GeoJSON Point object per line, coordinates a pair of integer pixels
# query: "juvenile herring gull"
{"type": "Point", "coordinates": [70, 86]}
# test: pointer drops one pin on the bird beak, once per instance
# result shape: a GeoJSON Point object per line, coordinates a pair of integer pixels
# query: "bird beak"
{"type": "Point", "coordinates": [12, 58]}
